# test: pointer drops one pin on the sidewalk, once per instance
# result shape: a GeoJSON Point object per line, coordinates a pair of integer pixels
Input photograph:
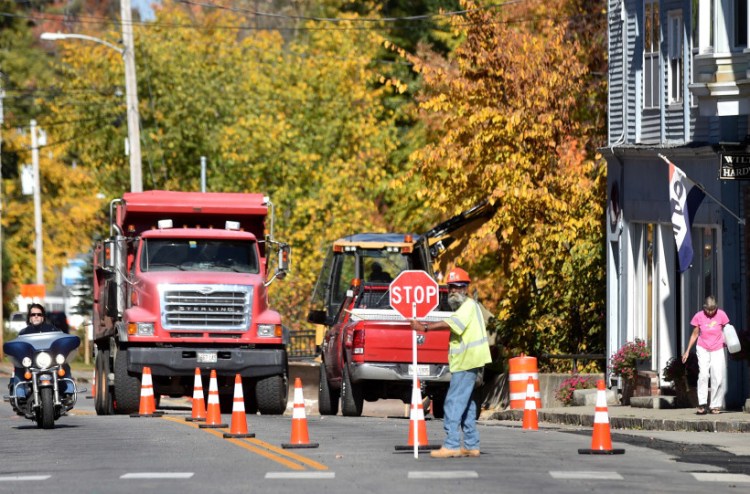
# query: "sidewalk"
{"type": "Point", "coordinates": [627, 417]}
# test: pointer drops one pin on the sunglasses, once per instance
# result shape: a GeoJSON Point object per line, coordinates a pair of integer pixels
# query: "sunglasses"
{"type": "Point", "coordinates": [36, 314]}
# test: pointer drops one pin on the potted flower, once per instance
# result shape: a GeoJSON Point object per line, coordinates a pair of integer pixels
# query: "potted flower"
{"type": "Point", "coordinates": [564, 392]}
{"type": "Point", "coordinates": [624, 364]}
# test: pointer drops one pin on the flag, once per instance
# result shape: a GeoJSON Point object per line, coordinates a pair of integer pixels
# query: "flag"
{"type": "Point", "coordinates": [684, 199]}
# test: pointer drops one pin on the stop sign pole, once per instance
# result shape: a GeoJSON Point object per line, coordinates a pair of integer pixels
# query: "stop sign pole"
{"type": "Point", "coordinates": [417, 291]}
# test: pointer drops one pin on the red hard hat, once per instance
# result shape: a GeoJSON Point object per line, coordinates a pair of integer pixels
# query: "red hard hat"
{"type": "Point", "coordinates": [458, 275]}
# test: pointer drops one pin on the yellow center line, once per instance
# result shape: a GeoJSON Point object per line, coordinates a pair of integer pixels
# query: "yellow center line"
{"type": "Point", "coordinates": [259, 447]}
{"type": "Point", "coordinates": [307, 461]}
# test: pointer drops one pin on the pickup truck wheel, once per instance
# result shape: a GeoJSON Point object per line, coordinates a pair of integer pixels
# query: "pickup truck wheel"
{"type": "Point", "coordinates": [328, 399]}
{"type": "Point", "coordinates": [103, 397]}
{"type": "Point", "coordinates": [271, 394]}
{"type": "Point", "coordinates": [127, 391]}
{"type": "Point", "coordinates": [352, 398]}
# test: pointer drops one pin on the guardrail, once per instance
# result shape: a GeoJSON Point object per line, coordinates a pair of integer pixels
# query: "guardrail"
{"type": "Point", "coordinates": [302, 345]}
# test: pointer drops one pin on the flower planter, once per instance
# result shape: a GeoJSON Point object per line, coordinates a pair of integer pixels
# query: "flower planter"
{"type": "Point", "coordinates": [628, 390]}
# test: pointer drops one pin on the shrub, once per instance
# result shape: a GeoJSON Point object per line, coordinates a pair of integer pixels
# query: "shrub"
{"type": "Point", "coordinates": [623, 363]}
{"type": "Point", "coordinates": [564, 392]}
{"type": "Point", "coordinates": [676, 370]}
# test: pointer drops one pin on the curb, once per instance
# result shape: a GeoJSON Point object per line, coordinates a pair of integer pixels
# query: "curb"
{"type": "Point", "coordinates": [632, 423]}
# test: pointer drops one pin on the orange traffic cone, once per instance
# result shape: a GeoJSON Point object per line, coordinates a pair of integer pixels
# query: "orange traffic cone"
{"type": "Point", "coordinates": [299, 437]}
{"type": "Point", "coordinates": [530, 419]}
{"type": "Point", "coordinates": [147, 406]}
{"type": "Point", "coordinates": [199, 406]}
{"type": "Point", "coordinates": [213, 414]}
{"type": "Point", "coordinates": [417, 425]}
{"type": "Point", "coordinates": [601, 442]}
{"type": "Point", "coordinates": [239, 420]}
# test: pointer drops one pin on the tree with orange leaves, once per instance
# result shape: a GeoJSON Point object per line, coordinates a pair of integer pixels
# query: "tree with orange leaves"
{"type": "Point", "coordinates": [510, 114]}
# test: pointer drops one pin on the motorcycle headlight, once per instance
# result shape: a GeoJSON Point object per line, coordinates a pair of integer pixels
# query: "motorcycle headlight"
{"type": "Point", "coordinates": [26, 362]}
{"type": "Point", "coordinates": [60, 358]}
{"type": "Point", "coordinates": [43, 360]}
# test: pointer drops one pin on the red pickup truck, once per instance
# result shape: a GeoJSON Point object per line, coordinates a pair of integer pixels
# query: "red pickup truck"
{"type": "Point", "coordinates": [366, 351]}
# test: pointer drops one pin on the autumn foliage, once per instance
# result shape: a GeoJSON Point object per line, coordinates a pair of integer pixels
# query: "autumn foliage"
{"type": "Point", "coordinates": [505, 113]}
{"type": "Point", "coordinates": [311, 114]}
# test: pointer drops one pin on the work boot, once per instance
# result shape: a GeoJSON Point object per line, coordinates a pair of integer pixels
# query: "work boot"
{"type": "Point", "coordinates": [470, 452]}
{"type": "Point", "coordinates": [444, 452]}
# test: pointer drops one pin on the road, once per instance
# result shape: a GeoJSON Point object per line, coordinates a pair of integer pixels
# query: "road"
{"type": "Point", "coordinates": [87, 453]}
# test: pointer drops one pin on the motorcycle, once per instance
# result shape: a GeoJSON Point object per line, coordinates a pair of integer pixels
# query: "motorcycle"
{"type": "Point", "coordinates": [42, 392]}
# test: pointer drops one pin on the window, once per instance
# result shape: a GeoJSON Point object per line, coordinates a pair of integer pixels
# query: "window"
{"type": "Point", "coordinates": [740, 23]}
{"type": "Point", "coordinates": [199, 255]}
{"type": "Point", "coordinates": [675, 74]}
{"type": "Point", "coordinates": [651, 37]}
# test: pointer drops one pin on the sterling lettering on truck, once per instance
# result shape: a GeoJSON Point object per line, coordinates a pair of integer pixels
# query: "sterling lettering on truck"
{"type": "Point", "coordinates": [181, 283]}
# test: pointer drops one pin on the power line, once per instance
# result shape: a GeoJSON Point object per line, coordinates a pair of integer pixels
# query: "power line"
{"type": "Point", "coordinates": [341, 20]}
{"type": "Point", "coordinates": [422, 17]}
{"type": "Point", "coordinates": [78, 120]}
{"type": "Point", "coordinates": [71, 139]}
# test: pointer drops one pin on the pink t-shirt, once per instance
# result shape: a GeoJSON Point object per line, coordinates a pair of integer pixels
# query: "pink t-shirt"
{"type": "Point", "coordinates": [711, 336]}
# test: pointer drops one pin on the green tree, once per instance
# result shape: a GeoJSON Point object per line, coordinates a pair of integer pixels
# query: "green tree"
{"type": "Point", "coordinates": [301, 119]}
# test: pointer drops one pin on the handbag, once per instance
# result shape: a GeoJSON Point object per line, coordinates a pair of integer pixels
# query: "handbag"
{"type": "Point", "coordinates": [731, 339]}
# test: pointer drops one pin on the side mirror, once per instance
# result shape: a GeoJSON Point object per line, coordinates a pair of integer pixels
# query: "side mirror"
{"type": "Point", "coordinates": [317, 317]}
{"type": "Point", "coordinates": [108, 255]}
{"type": "Point", "coordinates": [285, 251]}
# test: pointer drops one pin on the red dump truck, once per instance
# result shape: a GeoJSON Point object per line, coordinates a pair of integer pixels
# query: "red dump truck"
{"type": "Point", "coordinates": [181, 283]}
{"type": "Point", "coordinates": [366, 352]}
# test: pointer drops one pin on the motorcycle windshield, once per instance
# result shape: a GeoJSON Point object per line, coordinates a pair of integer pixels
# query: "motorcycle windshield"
{"type": "Point", "coordinates": [56, 342]}
{"type": "Point", "coordinates": [17, 349]}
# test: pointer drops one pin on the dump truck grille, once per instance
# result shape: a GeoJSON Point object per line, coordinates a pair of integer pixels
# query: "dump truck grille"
{"type": "Point", "coordinates": [206, 307]}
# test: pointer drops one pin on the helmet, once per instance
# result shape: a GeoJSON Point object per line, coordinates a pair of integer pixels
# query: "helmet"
{"type": "Point", "coordinates": [458, 275]}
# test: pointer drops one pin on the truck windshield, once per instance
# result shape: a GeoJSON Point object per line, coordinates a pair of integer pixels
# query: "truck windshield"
{"type": "Point", "coordinates": [199, 255]}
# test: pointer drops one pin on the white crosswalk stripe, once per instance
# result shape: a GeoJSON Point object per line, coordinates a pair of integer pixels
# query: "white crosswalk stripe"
{"type": "Point", "coordinates": [585, 475]}
{"type": "Point", "coordinates": [157, 475]}
{"type": "Point", "coordinates": [454, 474]}
{"type": "Point", "coordinates": [23, 478]}
{"type": "Point", "coordinates": [300, 475]}
{"type": "Point", "coordinates": [720, 477]}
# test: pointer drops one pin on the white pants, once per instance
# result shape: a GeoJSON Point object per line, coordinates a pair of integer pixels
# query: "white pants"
{"type": "Point", "coordinates": [714, 363]}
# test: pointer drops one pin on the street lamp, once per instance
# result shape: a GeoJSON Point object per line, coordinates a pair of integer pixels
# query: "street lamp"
{"type": "Point", "coordinates": [131, 97]}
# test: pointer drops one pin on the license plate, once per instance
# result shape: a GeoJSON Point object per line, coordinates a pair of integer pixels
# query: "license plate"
{"type": "Point", "coordinates": [422, 370]}
{"type": "Point", "coordinates": [206, 357]}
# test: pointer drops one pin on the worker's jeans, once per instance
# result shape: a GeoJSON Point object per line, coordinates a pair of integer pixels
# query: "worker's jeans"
{"type": "Point", "coordinates": [714, 363]}
{"type": "Point", "coordinates": [461, 411]}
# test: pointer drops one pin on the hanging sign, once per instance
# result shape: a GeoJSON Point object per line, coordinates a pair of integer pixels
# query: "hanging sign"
{"type": "Point", "coordinates": [735, 166]}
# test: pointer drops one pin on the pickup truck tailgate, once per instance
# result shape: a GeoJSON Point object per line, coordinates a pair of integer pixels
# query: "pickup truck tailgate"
{"type": "Point", "coordinates": [388, 337]}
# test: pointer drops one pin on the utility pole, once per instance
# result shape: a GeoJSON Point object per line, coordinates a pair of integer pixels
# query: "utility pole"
{"type": "Point", "coordinates": [37, 205]}
{"type": "Point", "coordinates": [131, 95]}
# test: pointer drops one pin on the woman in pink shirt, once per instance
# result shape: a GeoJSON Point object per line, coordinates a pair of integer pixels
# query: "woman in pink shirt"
{"type": "Point", "coordinates": [708, 326]}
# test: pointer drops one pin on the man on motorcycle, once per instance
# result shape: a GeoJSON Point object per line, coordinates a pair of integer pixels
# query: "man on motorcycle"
{"type": "Point", "coordinates": [36, 321]}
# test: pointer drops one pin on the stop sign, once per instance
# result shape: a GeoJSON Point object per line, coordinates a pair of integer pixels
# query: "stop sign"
{"type": "Point", "coordinates": [414, 294]}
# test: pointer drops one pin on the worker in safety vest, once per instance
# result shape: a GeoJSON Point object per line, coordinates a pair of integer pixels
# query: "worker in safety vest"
{"type": "Point", "coordinates": [469, 351]}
